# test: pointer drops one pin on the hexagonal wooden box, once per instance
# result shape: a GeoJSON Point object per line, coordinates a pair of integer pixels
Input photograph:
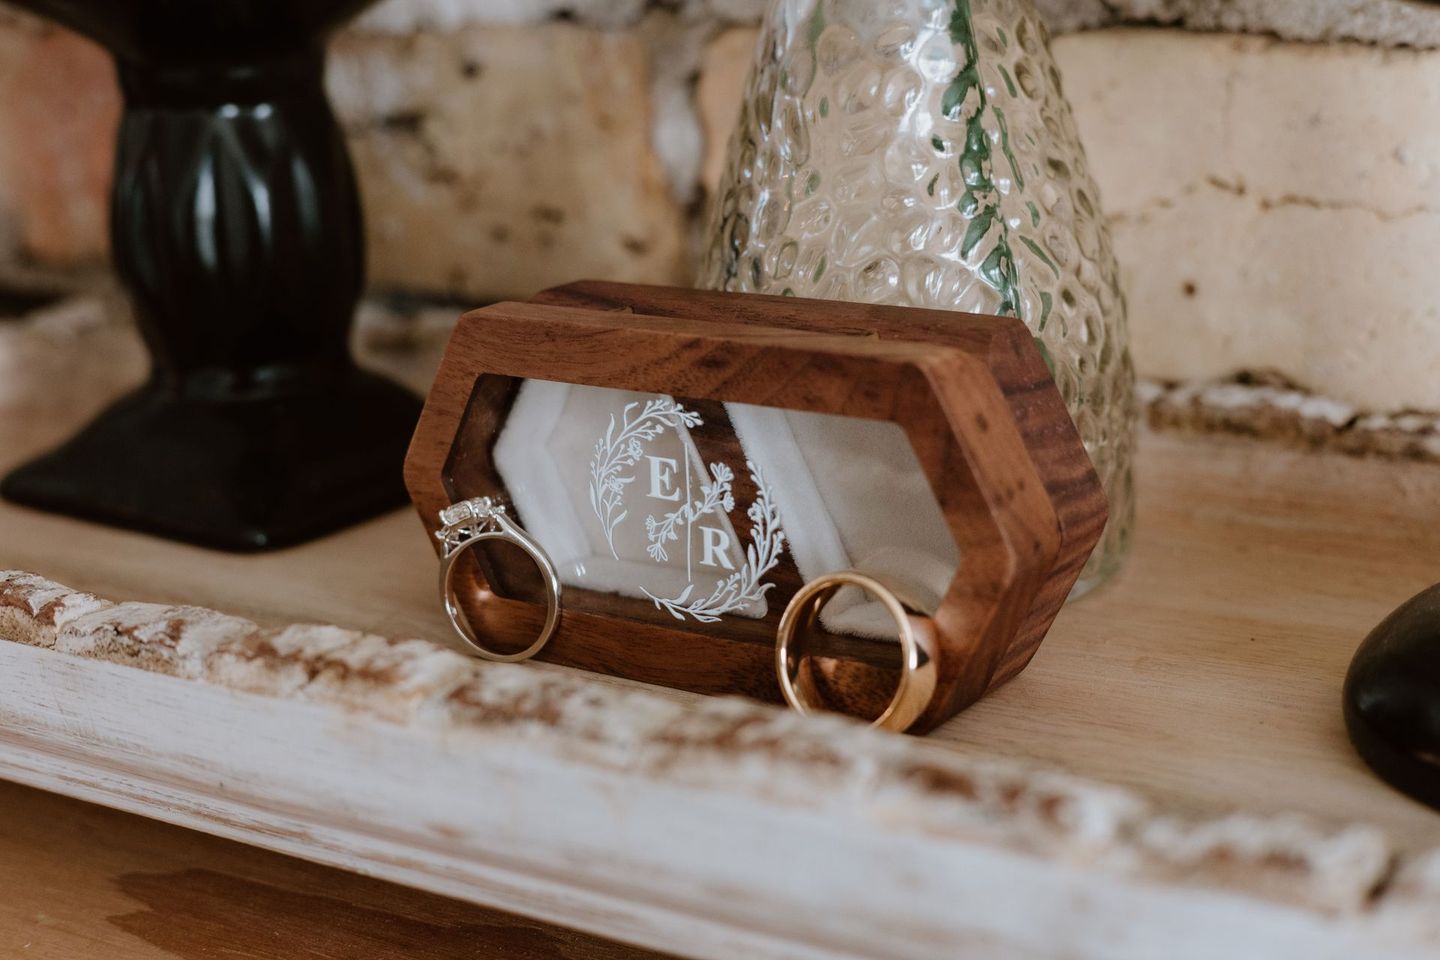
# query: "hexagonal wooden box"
{"type": "Point", "coordinates": [971, 394]}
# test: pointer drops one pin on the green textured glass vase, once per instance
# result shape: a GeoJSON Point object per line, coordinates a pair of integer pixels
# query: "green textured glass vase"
{"type": "Point", "coordinates": [919, 152]}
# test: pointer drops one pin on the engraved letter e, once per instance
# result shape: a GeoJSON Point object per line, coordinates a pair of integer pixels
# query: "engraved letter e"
{"type": "Point", "coordinates": [662, 472]}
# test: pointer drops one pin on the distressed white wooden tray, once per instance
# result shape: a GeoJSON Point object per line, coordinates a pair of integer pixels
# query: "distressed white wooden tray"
{"type": "Point", "coordinates": [1169, 778]}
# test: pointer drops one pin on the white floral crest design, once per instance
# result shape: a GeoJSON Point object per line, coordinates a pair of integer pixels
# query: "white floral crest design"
{"type": "Point", "coordinates": [743, 586]}
{"type": "Point", "coordinates": [616, 452]}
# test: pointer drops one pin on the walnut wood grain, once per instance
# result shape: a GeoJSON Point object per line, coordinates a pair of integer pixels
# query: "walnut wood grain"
{"type": "Point", "coordinates": [1035, 403]}
{"type": "Point", "coordinates": [946, 397]}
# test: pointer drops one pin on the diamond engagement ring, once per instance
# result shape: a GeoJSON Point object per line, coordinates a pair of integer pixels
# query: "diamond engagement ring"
{"type": "Point", "coordinates": [469, 522]}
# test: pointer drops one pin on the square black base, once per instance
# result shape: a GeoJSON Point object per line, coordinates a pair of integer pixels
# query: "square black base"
{"type": "Point", "coordinates": [244, 474]}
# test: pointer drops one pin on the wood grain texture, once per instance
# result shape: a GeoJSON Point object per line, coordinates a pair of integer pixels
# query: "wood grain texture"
{"type": "Point", "coordinates": [1204, 680]}
{"type": "Point", "coordinates": [1039, 413]}
{"type": "Point", "coordinates": [83, 882]}
{"type": "Point", "coordinates": [719, 829]}
{"type": "Point", "coordinates": [946, 397]}
{"type": "Point", "coordinates": [1206, 676]}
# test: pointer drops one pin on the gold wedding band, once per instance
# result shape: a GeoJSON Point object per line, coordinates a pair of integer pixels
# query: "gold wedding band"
{"type": "Point", "coordinates": [918, 672]}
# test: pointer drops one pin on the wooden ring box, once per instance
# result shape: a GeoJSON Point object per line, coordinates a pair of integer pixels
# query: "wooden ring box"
{"type": "Point", "coordinates": [972, 394]}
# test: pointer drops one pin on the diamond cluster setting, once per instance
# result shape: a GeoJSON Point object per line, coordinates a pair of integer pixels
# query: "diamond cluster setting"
{"type": "Point", "coordinates": [461, 520]}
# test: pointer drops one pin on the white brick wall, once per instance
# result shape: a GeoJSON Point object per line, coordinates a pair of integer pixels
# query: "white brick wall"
{"type": "Point", "coordinates": [1270, 199]}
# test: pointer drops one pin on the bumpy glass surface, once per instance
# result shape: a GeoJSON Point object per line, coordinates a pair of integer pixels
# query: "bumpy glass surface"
{"type": "Point", "coordinates": [920, 152]}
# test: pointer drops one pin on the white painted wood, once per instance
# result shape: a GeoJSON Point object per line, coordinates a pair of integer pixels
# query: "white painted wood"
{"type": "Point", "coordinates": [719, 829]}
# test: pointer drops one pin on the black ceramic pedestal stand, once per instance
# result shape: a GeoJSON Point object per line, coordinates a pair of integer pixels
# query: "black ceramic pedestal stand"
{"type": "Point", "coordinates": [236, 227]}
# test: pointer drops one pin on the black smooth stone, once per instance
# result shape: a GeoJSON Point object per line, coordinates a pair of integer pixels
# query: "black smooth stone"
{"type": "Point", "coordinates": [1392, 698]}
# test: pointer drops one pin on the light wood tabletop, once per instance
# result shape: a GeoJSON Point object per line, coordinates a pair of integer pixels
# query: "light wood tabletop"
{"type": "Point", "coordinates": [82, 882]}
{"type": "Point", "coordinates": [1207, 675]}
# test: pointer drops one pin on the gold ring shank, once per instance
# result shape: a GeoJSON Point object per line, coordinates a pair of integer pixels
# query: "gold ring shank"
{"type": "Point", "coordinates": [509, 532]}
{"type": "Point", "coordinates": [918, 672]}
